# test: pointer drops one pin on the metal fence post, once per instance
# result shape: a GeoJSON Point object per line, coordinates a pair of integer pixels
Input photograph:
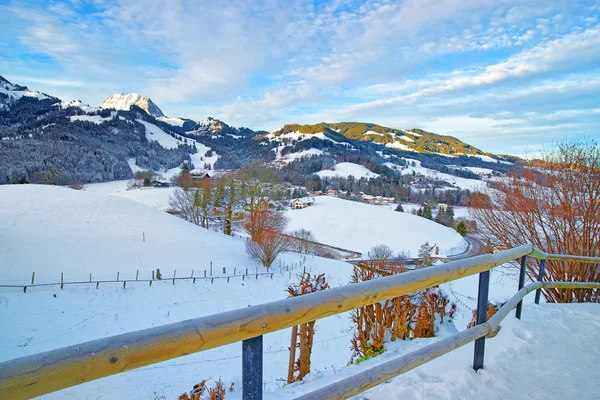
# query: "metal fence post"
{"type": "Point", "coordinates": [521, 284]}
{"type": "Point", "coordinates": [252, 368]}
{"type": "Point", "coordinates": [540, 278]}
{"type": "Point", "coordinates": [482, 305]}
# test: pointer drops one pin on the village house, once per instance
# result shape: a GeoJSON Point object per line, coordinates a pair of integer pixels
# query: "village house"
{"type": "Point", "coordinates": [160, 183]}
{"type": "Point", "coordinates": [299, 204]}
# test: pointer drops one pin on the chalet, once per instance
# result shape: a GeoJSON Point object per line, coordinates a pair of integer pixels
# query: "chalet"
{"type": "Point", "coordinates": [442, 206]}
{"type": "Point", "coordinates": [159, 183]}
{"type": "Point", "coordinates": [299, 204]}
{"type": "Point", "coordinates": [333, 192]}
{"type": "Point", "coordinates": [199, 175]}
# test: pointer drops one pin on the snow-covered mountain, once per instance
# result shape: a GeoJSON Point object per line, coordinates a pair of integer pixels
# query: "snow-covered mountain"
{"type": "Point", "coordinates": [125, 101]}
{"type": "Point", "coordinates": [10, 92]}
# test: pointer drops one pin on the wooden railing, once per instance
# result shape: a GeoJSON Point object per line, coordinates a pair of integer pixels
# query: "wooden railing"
{"type": "Point", "coordinates": [54, 370]}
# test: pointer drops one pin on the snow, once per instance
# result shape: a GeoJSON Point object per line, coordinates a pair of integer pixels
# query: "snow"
{"type": "Point", "coordinates": [156, 134]}
{"type": "Point", "coordinates": [373, 133]}
{"type": "Point", "coordinates": [125, 101]}
{"type": "Point", "coordinates": [78, 232]}
{"type": "Point", "coordinates": [485, 158]}
{"type": "Point", "coordinates": [400, 146]}
{"type": "Point", "coordinates": [346, 169]}
{"type": "Point", "coordinates": [92, 118]}
{"type": "Point", "coordinates": [358, 227]}
{"type": "Point", "coordinates": [299, 136]}
{"type": "Point", "coordinates": [175, 121]}
{"type": "Point", "coordinates": [81, 232]}
{"type": "Point", "coordinates": [405, 138]}
{"type": "Point", "coordinates": [477, 170]}
{"type": "Point", "coordinates": [552, 353]}
{"type": "Point", "coordinates": [463, 183]}
{"type": "Point", "coordinates": [78, 104]}
{"type": "Point", "coordinates": [304, 153]}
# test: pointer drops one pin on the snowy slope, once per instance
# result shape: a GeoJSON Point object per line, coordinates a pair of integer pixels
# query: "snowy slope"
{"type": "Point", "coordinates": [463, 183]}
{"type": "Point", "coordinates": [346, 169]}
{"type": "Point", "coordinates": [359, 227]}
{"type": "Point", "coordinates": [9, 89]}
{"type": "Point", "coordinates": [175, 121]}
{"type": "Point", "coordinates": [51, 230]}
{"type": "Point", "coordinates": [154, 133]}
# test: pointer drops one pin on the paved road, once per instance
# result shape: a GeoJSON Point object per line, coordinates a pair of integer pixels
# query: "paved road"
{"type": "Point", "coordinates": [475, 248]}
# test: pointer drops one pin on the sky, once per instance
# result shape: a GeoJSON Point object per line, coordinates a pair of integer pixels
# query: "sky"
{"type": "Point", "coordinates": [504, 76]}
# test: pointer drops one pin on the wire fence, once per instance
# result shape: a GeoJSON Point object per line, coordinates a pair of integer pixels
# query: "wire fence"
{"type": "Point", "coordinates": [211, 274]}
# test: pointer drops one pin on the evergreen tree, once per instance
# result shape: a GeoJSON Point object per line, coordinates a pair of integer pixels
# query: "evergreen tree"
{"type": "Point", "coordinates": [427, 212]}
{"type": "Point", "coordinates": [425, 258]}
{"type": "Point", "coordinates": [399, 208]}
{"type": "Point", "coordinates": [461, 228]}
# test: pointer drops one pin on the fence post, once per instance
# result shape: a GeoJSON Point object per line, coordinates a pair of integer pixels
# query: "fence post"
{"type": "Point", "coordinates": [137, 274]}
{"type": "Point", "coordinates": [540, 278]}
{"type": "Point", "coordinates": [62, 282]}
{"type": "Point", "coordinates": [174, 272]}
{"type": "Point", "coordinates": [252, 368]}
{"type": "Point", "coordinates": [32, 277]}
{"type": "Point", "coordinates": [211, 268]}
{"type": "Point", "coordinates": [521, 284]}
{"type": "Point", "coordinates": [482, 305]}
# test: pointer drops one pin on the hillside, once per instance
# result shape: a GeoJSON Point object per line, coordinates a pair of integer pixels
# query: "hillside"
{"type": "Point", "coordinates": [103, 143]}
{"type": "Point", "coordinates": [408, 140]}
{"type": "Point", "coordinates": [359, 227]}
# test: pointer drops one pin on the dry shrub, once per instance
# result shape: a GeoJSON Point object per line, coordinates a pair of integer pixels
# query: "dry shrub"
{"type": "Point", "coordinates": [302, 336]}
{"type": "Point", "coordinates": [202, 392]}
{"type": "Point", "coordinates": [76, 185]}
{"type": "Point", "coordinates": [404, 317]}
{"type": "Point", "coordinates": [491, 310]}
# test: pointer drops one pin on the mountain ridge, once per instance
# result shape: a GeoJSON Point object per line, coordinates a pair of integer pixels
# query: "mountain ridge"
{"type": "Point", "coordinates": [125, 101]}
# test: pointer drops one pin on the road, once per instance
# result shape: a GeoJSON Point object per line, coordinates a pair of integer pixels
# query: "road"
{"type": "Point", "coordinates": [475, 248]}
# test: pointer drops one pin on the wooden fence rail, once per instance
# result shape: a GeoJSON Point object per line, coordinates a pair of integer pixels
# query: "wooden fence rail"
{"type": "Point", "coordinates": [46, 372]}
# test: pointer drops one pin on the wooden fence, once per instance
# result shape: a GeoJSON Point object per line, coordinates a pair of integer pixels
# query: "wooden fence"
{"type": "Point", "coordinates": [46, 372]}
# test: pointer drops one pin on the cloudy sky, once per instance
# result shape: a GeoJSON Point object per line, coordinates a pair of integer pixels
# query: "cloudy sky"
{"type": "Point", "coordinates": [505, 76]}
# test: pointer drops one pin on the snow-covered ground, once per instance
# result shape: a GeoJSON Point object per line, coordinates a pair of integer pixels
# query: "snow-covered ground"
{"type": "Point", "coordinates": [359, 227]}
{"type": "Point", "coordinates": [552, 353]}
{"type": "Point", "coordinates": [463, 183]}
{"type": "Point", "coordinates": [92, 118]}
{"type": "Point", "coordinates": [346, 169]}
{"type": "Point", "coordinates": [50, 230]}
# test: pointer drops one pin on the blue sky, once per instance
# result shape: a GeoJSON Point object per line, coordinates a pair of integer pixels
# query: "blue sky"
{"type": "Point", "coordinates": [505, 76]}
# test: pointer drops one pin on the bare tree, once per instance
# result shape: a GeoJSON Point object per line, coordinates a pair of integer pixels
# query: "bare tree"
{"type": "Point", "coordinates": [303, 242]}
{"type": "Point", "coordinates": [381, 252]}
{"type": "Point", "coordinates": [259, 221]}
{"type": "Point", "coordinates": [265, 241]}
{"type": "Point", "coordinates": [266, 247]}
{"type": "Point", "coordinates": [259, 184]}
{"type": "Point", "coordinates": [554, 205]}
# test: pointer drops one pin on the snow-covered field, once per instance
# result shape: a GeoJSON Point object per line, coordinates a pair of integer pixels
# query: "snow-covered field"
{"type": "Point", "coordinates": [358, 227]}
{"type": "Point", "coordinates": [462, 183]}
{"type": "Point", "coordinates": [345, 169]}
{"type": "Point", "coordinates": [50, 230]}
